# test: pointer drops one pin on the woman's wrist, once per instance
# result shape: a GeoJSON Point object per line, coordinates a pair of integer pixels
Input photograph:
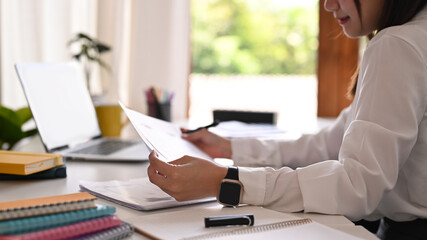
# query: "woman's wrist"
{"type": "Point", "coordinates": [226, 148]}
{"type": "Point", "coordinates": [220, 174]}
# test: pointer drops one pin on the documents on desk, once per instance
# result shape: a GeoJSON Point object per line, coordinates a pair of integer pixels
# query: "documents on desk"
{"type": "Point", "coordinates": [138, 194]}
{"type": "Point", "coordinates": [162, 136]}
{"type": "Point", "coordinates": [269, 224]}
{"type": "Point", "coordinates": [236, 129]}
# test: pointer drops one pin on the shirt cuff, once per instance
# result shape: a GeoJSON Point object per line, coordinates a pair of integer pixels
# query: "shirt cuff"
{"type": "Point", "coordinates": [254, 181]}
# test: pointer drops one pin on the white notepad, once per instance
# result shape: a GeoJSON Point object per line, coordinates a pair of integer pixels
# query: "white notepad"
{"type": "Point", "coordinates": [138, 194]}
{"type": "Point", "coordinates": [269, 224]}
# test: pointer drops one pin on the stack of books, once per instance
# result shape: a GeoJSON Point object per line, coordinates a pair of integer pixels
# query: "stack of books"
{"type": "Point", "coordinates": [25, 165]}
{"type": "Point", "coordinates": [70, 216]}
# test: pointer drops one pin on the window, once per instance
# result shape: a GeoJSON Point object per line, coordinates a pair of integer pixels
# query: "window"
{"type": "Point", "coordinates": [258, 55]}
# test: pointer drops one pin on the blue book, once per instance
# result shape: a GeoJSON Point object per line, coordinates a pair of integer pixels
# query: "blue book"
{"type": "Point", "coordinates": [23, 225]}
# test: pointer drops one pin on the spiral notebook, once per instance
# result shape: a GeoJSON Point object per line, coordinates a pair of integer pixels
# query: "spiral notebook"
{"type": "Point", "coordinates": [123, 231]}
{"type": "Point", "coordinates": [24, 225]}
{"type": "Point", "coordinates": [46, 205]}
{"type": "Point", "coordinates": [72, 230]}
{"type": "Point", "coordinates": [189, 224]}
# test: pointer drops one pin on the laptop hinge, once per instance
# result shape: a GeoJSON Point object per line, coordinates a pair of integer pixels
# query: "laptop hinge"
{"type": "Point", "coordinates": [58, 148]}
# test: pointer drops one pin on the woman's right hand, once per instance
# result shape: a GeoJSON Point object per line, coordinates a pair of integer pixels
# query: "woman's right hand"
{"type": "Point", "coordinates": [210, 143]}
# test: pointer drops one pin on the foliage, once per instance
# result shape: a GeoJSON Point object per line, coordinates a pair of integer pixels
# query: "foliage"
{"type": "Point", "coordinates": [253, 37]}
{"type": "Point", "coordinates": [11, 123]}
{"type": "Point", "coordinates": [88, 52]}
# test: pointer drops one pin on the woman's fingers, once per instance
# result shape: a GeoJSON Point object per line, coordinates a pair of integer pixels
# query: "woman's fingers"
{"type": "Point", "coordinates": [158, 170]}
{"type": "Point", "coordinates": [194, 136]}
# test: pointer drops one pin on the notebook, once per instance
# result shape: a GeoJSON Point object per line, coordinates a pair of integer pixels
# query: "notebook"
{"type": "Point", "coordinates": [30, 224]}
{"type": "Point", "coordinates": [46, 205]}
{"type": "Point", "coordinates": [56, 172]}
{"type": "Point", "coordinates": [24, 163]}
{"type": "Point", "coordinates": [123, 231]}
{"type": "Point", "coordinates": [138, 194]}
{"type": "Point", "coordinates": [75, 230]}
{"type": "Point", "coordinates": [65, 116]}
{"type": "Point", "coordinates": [268, 224]}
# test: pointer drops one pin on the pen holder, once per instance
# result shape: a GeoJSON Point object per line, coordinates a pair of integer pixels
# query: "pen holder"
{"type": "Point", "coordinates": [160, 110]}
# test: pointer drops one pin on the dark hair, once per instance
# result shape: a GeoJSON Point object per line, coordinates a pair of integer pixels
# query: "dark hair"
{"type": "Point", "coordinates": [396, 12]}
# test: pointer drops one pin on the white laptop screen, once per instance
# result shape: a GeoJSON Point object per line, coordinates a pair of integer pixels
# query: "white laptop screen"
{"type": "Point", "coordinates": [60, 102]}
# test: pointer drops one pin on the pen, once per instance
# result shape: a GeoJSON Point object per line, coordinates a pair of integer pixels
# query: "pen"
{"type": "Point", "coordinates": [230, 220]}
{"type": "Point", "coordinates": [215, 123]}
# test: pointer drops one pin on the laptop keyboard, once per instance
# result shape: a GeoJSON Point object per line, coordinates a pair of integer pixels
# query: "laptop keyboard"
{"type": "Point", "coordinates": [105, 147]}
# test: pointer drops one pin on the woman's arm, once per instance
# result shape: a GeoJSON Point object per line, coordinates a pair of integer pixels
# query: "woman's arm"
{"type": "Point", "coordinates": [306, 150]}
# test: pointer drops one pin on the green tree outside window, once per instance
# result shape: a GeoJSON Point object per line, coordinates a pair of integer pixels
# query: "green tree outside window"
{"type": "Point", "coordinates": [253, 37]}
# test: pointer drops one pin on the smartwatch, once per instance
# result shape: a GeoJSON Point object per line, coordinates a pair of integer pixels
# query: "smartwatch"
{"type": "Point", "coordinates": [231, 189]}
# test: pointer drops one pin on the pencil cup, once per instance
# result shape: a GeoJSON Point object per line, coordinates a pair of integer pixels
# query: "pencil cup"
{"type": "Point", "coordinates": [160, 110]}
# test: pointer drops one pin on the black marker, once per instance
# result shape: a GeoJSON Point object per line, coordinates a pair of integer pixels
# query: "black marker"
{"type": "Point", "coordinates": [230, 220]}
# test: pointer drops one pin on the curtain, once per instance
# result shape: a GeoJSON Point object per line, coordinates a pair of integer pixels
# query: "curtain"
{"type": "Point", "coordinates": [149, 39]}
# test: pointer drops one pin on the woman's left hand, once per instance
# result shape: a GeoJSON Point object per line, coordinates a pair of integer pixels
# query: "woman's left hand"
{"type": "Point", "coordinates": [186, 178]}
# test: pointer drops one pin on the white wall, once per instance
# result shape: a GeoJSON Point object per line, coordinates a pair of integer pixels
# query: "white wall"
{"type": "Point", "coordinates": [161, 55]}
{"type": "Point", "coordinates": [37, 30]}
{"type": "Point", "coordinates": [150, 42]}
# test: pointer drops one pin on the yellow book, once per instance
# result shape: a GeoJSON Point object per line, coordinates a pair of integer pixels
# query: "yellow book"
{"type": "Point", "coordinates": [24, 163]}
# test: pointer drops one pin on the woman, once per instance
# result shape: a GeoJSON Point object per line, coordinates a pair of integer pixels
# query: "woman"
{"type": "Point", "coordinates": [370, 164]}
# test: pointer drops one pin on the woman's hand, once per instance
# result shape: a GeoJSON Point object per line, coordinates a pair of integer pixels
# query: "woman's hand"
{"type": "Point", "coordinates": [186, 178]}
{"type": "Point", "coordinates": [210, 143]}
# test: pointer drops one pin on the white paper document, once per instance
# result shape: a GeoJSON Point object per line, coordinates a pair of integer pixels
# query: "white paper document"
{"type": "Point", "coordinates": [139, 194]}
{"type": "Point", "coordinates": [236, 129]}
{"type": "Point", "coordinates": [162, 136]}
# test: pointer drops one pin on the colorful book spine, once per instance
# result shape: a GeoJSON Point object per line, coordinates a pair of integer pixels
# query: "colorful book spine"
{"type": "Point", "coordinates": [70, 231]}
{"type": "Point", "coordinates": [46, 205]}
{"type": "Point", "coordinates": [18, 226]}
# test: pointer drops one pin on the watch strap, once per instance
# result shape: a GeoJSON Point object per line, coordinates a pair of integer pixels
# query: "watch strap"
{"type": "Point", "coordinates": [232, 173]}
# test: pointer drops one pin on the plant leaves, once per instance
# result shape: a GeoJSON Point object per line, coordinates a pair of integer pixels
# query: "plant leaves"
{"type": "Point", "coordinates": [10, 116]}
{"type": "Point", "coordinates": [84, 36]}
{"type": "Point", "coordinates": [31, 132]}
{"type": "Point", "coordinates": [9, 131]}
{"type": "Point", "coordinates": [24, 115]}
{"type": "Point", "coordinates": [11, 123]}
{"type": "Point", "coordinates": [102, 47]}
{"type": "Point", "coordinates": [91, 49]}
{"type": "Point", "coordinates": [77, 56]}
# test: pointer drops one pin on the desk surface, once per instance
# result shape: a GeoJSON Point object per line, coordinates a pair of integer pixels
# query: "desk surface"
{"type": "Point", "coordinates": [104, 171]}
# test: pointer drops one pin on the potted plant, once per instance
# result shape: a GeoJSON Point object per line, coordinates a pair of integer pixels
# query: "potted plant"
{"type": "Point", "coordinates": [11, 123]}
{"type": "Point", "coordinates": [87, 51]}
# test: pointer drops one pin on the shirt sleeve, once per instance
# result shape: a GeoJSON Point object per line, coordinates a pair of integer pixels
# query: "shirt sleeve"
{"type": "Point", "coordinates": [382, 129]}
{"type": "Point", "coordinates": [306, 150]}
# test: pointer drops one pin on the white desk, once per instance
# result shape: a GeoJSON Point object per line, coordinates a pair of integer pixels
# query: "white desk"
{"type": "Point", "coordinates": [103, 171]}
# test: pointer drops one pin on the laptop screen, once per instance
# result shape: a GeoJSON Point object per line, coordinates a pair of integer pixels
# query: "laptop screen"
{"type": "Point", "coordinates": [60, 102]}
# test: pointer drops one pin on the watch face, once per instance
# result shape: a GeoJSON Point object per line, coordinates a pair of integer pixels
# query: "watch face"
{"type": "Point", "coordinates": [230, 193]}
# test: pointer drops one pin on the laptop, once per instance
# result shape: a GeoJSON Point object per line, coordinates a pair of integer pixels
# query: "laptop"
{"type": "Point", "coordinates": [65, 115]}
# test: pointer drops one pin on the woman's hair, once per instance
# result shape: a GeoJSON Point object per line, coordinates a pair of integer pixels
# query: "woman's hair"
{"type": "Point", "coordinates": [396, 12]}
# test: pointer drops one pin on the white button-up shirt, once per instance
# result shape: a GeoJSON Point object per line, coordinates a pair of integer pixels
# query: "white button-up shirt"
{"type": "Point", "coordinates": [372, 162]}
